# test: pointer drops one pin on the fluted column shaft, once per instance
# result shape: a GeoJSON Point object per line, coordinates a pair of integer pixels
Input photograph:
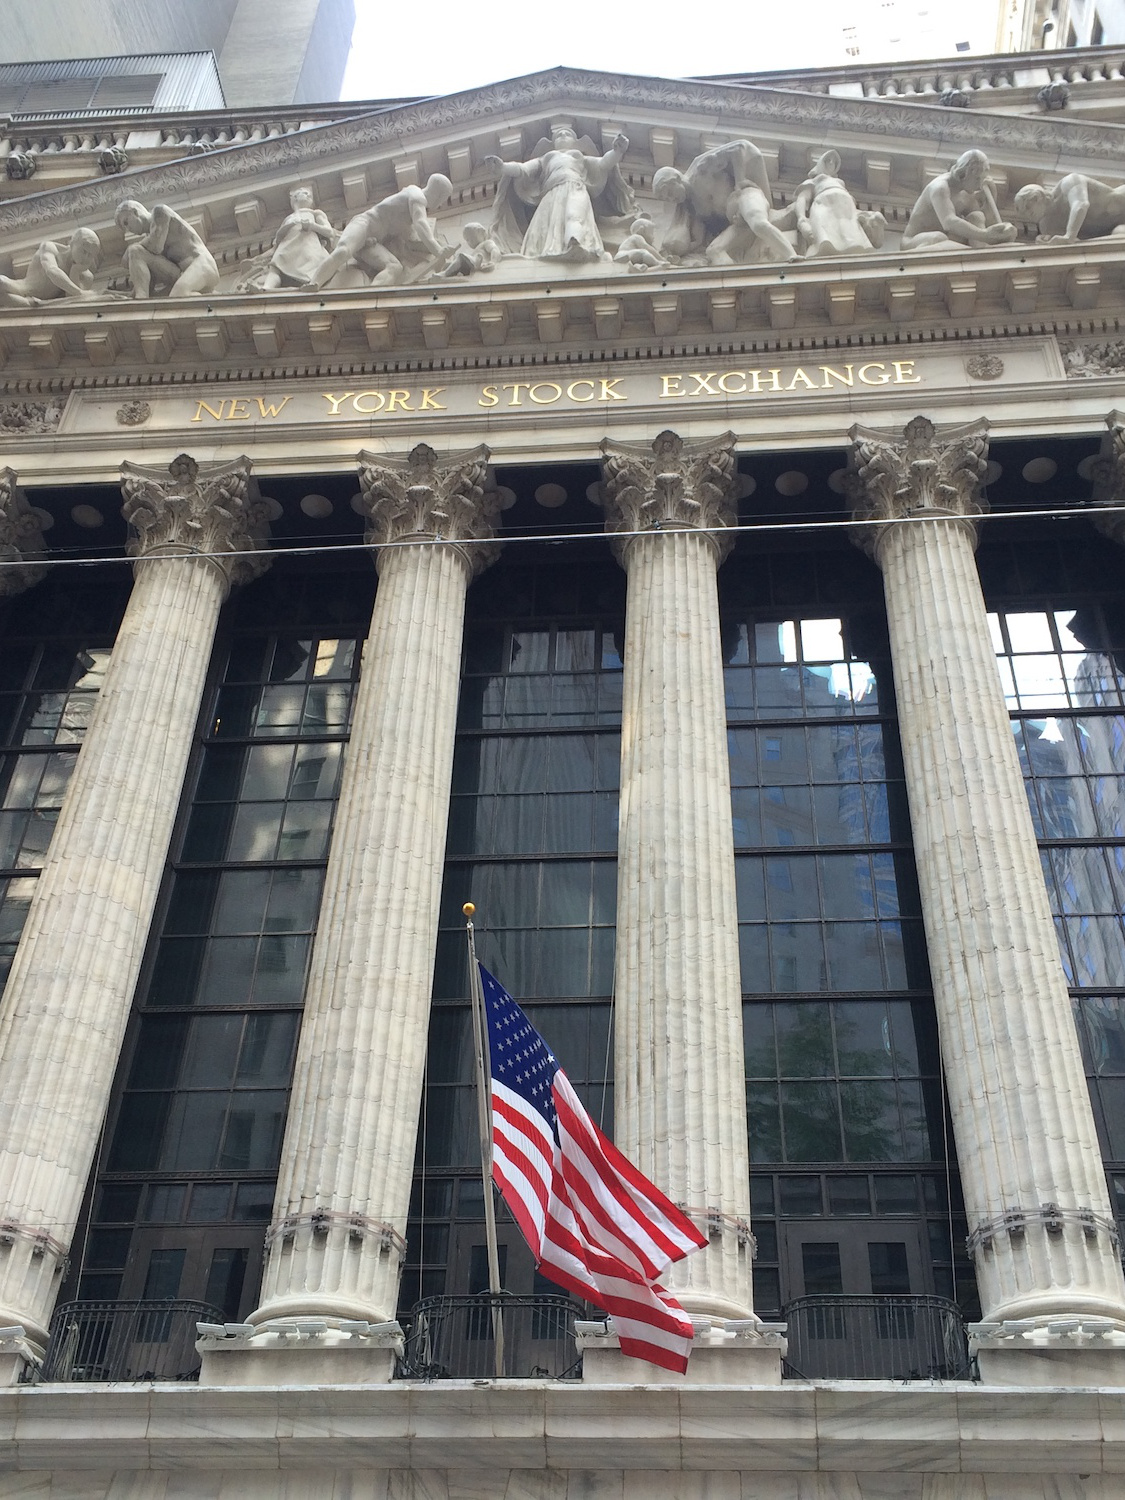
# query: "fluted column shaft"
{"type": "Point", "coordinates": [347, 1161]}
{"type": "Point", "coordinates": [679, 1085]}
{"type": "Point", "coordinates": [68, 995]}
{"type": "Point", "coordinates": [1034, 1186]}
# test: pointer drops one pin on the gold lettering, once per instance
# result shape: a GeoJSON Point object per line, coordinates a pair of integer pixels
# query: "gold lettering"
{"type": "Point", "coordinates": [398, 400]}
{"type": "Point", "coordinates": [845, 377]}
{"type": "Point", "coordinates": [904, 373]}
{"type": "Point", "coordinates": [429, 398]}
{"type": "Point", "coordinates": [737, 390]}
{"type": "Point", "coordinates": [702, 385]}
{"type": "Point", "coordinates": [875, 380]}
{"type": "Point", "coordinates": [799, 374]}
{"type": "Point", "coordinates": [201, 407]}
{"type": "Point", "coordinates": [335, 401]}
{"type": "Point", "coordinates": [545, 385]}
{"type": "Point", "coordinates": [608, 393]}
{"type": "Point", "coordinates": [368, 411]}
{"type": "Point", "coordinates": [516, 386]}
{"type": "Point", "coordinates": [268, 409]}
{"type": "Point", "coordinates": [671, 386]}
{"type": "Point", "coordinates": [488, 396]}
{"type": "Point", "coordinates": [756, 386]}
{"type": "Point", "coordinates": [238, 416]}
{"type": "Point", "coordinates": [573, 387]}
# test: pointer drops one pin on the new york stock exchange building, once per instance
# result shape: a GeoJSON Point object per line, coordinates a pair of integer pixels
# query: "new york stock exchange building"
{"type": "Point", "coordinates": [685, 521]}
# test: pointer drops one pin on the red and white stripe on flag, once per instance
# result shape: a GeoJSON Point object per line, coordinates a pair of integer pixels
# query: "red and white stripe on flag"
{"type": "Point", "coordinates": [594, 1223]}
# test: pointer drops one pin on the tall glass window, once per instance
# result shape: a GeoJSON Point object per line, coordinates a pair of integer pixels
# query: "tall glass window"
{"type": "Point", "coordinates": [187, 1173]}
{"type": "Point", "coordinates": [847, 1138]}
{"type": "Point", "coordinates": [57, 643]}
{"type": "Point", "coordinates": [1058, 627]}
{"type": "Point", "coordinates": [533, 843]}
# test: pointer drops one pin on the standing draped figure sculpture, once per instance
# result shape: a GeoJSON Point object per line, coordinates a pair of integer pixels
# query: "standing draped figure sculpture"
{"type": "Point", "coordinates": [566, 191]}
{"type": "Point", "coordinates": [827, 218]}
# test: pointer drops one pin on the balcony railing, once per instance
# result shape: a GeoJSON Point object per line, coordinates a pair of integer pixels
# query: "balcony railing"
{"type": "Point", "coordinates": [453, 1338]}
{"type": "Point", "coordinates": [123, 1341]}
{"type": "Point", "coordinates": [876, 1338]}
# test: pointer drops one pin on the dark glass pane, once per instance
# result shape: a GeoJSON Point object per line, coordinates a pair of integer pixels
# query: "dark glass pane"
{"type": "Point", "coordinates": [848, 1196]}
{"type": "Point", "coordinates": [140, 1129]}
{"type": "Point", "coordinates": [165, 1270]}
{"type": "Point", "coordinates": [767, 1290]}
{"type": "Point", "coordinates": [1105, 1027]}
{"type": "Point", "coordinates": [107, 1248]}
{"type": "Point", "coordinates": [766, 1235]}
{"type": "Point", "coordinates": [855, 952]}
{"type": "Point", "coordinates": [211, 1054]}
{"type": "Point", "coordinates": [227, 970]}
{"type": "Point", "coordinates": [176, 971]}
{"type": "Point", "coordinates": [763, 1123]}
{"type": "Point", "coordinates": [804, 1040]}
{"type": "Point", "coordinates": [235, 711]}
{"type": "Point", "coordinates": [872, 1131]}
{"type": "Point", "coordinates": [225, 1279]}
{"type": "Point", "coordinates": [253, 1134]}
{"type": "Point", "coordinates": [811, 1121]}
{"type": "Point", "coordinates": [896, 1195]}
{"type": "Point", "coordinates": [820, 1263]}
{"type": "Point", "coordinates": [253, 1202]}
{"type": "Point", "coordinates": [246, 661]}
{"type": "Point", "coordinates": [890, 1271]}
{"type": "Point", "coordinates": [191, 1139]}
{"type": "Point", "coordinates": [208, 832]}
{"type": "Point", "coordinates": [242, 901]}
{"type": "Point", "coordinates": [118, 1203]}
{"type": "Point", "coordinates": [210, 1202]}
{"type": "Point", "coordinates": [221, 774]}
{"type": "Point", "coordinates": [190, 908]}
{"type": "Point", "coordinates": [164, 1202]}
{"type": "Point", "coordinates": [863, 1038]}
{"type": "Point", "coordinates": [267, 1049]}
{"type": "Point", "coordinates": [156, 1061]}
{"type": "Point", "coordinates": [758, 1041]}
{"type": "Point", "coordinates": [761, 1195]}
{"type": "Point", "coordinates": [1112, 1094]}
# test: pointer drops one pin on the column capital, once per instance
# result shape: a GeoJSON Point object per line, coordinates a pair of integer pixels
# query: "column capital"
{"type": "Point", "coordinates": [1109, 477]}
{"type": "Point", "coordinates": [670, 485]}
{"type": "Point", "coordinates": [21, 537]}
{"type": "Point", "coordinates": [919, 472]}
{"type": "Point", "coordinates": [210, 509]}
{"type": "Point", "coordinates": [421, 498]}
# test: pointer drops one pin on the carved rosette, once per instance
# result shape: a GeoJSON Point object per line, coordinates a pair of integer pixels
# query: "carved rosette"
{"type": "Point", "coordinates": [669, 486]}
{"type": "Point", "coordinates": [923, 472]}
{"type": "Point", "coordinates": [1108, 474]}
{"type": "Point", "coordinates": [21, 537]}
{"type": "Point", "coordinates": [420, 498]}
{"type": "Point", "coordinates": [210, 510]}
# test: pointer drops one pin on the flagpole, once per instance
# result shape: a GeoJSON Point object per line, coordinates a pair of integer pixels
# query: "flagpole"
{"type": "Point", "coordinates": [484, 1121]}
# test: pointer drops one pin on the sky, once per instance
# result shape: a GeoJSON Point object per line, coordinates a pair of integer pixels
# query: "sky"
{"type": "Point", "coordinates": [458, 45]}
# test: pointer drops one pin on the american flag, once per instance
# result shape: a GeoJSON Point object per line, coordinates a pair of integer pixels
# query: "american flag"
{"type": "Point", "coordinates": [594, 1224]}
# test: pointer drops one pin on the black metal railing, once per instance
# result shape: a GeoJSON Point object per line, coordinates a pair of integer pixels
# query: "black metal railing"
{"type": "Point", "coordinates": [121, 1341]}
{"type": "Point", "coordinates": [453, 1338]}
{"type": "Point", "coordinates": [876, 1338]}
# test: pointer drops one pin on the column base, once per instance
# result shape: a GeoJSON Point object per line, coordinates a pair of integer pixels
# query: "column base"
{"type": "Point", "coordinates": [724, 1352]}
{"type": "Point", "coordinates": [298, 1351]}
{"type": "Point", "coordinates": [1075, 1352]}
{"type": "Point", "coordinates": [18, 1355]}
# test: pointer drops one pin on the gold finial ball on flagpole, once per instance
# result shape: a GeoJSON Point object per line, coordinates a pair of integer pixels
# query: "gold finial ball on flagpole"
{"type": "Point", "coordinates": [468, 909]}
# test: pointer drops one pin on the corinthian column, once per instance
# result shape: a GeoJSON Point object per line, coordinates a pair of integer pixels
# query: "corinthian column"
{"type": "Point", "coordinates": [336, 1242]}
{"type": "Point", "coordinates": [196, 529]}
{"type": "Point", "coordinates": [21, 538]}
{"type": "Point", "coordinates": [680, 1094]}
{"type": "Point", "coordinates": [1040, 1227]}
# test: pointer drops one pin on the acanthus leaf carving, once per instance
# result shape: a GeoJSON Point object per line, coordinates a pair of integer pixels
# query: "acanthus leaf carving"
{"type": "Point", "coordinates": [21, 538]}
{"type": "Point", "coordinates": [212, 510]}
{"type": "Point", "coordinates": [923, 471]}
{"type": "Point", "coordinates": [669, 486]}
{"type": "Point", "coordinates": [420, 497]}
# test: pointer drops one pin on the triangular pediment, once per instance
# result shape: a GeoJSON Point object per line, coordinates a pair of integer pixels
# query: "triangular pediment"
{"type": "Point", "coordinates": [534, 292]}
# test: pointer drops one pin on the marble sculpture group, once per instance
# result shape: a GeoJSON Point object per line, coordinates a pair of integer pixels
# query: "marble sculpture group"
{"type": "Point", "coordinates": [569, 204]}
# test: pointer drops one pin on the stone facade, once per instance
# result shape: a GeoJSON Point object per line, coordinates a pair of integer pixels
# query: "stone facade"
{"type": "Point", "coordinates": [782, 321]}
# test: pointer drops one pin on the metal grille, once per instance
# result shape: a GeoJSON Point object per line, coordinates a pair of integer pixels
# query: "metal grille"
{"type": "Point", "coordinates": [122, 1341]}
{"type": "Point", "coordinates": [452, 1338]}
{"type": "Point", "coordinates": [876, 1338]}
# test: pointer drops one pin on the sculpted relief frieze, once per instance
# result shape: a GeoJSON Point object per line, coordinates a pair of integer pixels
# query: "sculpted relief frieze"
{"type": "Point", "coordinates": [568, 212]}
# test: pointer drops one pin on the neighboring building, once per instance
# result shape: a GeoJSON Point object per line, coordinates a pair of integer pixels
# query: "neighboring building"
{"type": "Point", "coordinates": [268, 52]}
{"type": "Point", "coordinates": [1025, 25]}
{"type": "Point", "coordinates": [796, 818]}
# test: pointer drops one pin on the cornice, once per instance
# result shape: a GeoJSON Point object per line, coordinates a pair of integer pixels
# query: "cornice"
{"type": "Point", "coordinates": [942, 129]}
